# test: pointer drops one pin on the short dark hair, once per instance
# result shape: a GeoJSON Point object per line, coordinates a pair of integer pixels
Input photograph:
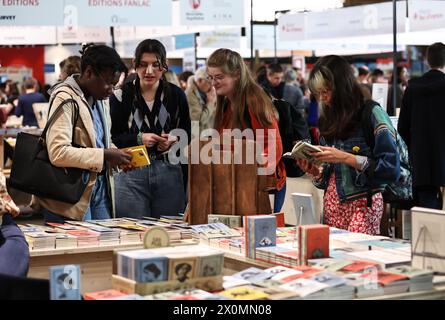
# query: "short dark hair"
{"type": "Point", "coordinates": [101, 58]}
{"type": "Point", "coordinates": [151, 46]}
{"type": "Point", "coordinates": [71, 65]}
{"type": "Point", "coordinates": [363, 71]}
{"type": "Point", "coordinates": [183, 76]}
{"type": "Point", "coordinates": [375, 74]}
{"type": "Point", "coordinates": [435, 55]}
{"type": "Point", "coordinates": [30, 83]}
{"type": "Point", "coordinates": [274, 68]}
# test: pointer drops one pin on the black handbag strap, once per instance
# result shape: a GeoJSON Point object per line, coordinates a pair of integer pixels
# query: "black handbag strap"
{"type": "Point", "coordinates": [56, 113]}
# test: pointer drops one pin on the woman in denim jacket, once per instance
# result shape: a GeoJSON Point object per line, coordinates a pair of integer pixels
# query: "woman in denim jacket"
{"type": "Point", "coordinates": [346, 159]}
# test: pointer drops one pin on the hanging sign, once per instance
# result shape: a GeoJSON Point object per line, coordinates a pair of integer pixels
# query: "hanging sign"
{"type": "Point", "coordinates": [212, 12]}
{"type": "Point", "coordinates": [118, 12]}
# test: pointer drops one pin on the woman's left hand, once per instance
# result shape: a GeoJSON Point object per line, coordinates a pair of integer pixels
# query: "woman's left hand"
{"type": "Point", "coordinates": [331, 155]}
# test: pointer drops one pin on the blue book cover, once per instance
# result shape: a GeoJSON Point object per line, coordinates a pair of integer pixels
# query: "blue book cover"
{"type": "Point", "coordinates": [65, 282]}
{"type": "Point", "coordinates": [265, 231]}
{"type": "Point", "coordinates": [151, 269]}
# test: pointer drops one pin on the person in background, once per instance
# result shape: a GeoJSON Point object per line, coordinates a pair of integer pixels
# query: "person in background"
{"type": "Point", "coordinates": [275, 85]}
{"type": "Point", "coordinates": [12, 96]}
{"type": "Point", "coordinates": [69, 66]}
{"type": "Point", "coordinates": [363, 74]}
{"type": "Point", "coordinates": [171, 77]}
{"type": "Point", "coordinates": [144, 112]}
{"type": "Point", "coordinates": [24, 106]}
{"type": "Point", "coordinates": [242, 104]}
{"type": "Point", "coordinates": [101, 68]}
{"type": "Point", "coordinates": [3, 96]}
{"type": "Point", "coordinates": [201, 98]}
{"type": "Point", "coordinates": [14, 250]}
{"type": "Point", "coordinates": [402, 82]}
{"type": "Point", "coordinates": [183, 79]}
{"type": "Point", "coordinates": [421, 126]}
{"type": "Point", "coordinates": [377, 76]}
{"type": "Point", "coordinates": [290, 77]}
{"type": "Point", "coordinates": [346, 159]}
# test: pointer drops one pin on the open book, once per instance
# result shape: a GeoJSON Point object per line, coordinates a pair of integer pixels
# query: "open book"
{"type": "Point", "coordinates": [302, 150]}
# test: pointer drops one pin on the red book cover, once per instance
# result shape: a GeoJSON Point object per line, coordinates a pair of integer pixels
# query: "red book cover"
{"type": "Point", "coordinates": [103, 295]}
{"type": "Point", "coordinates": [317, 241]}
{"type": "Point", "coordinates": [358, 266]}
{"type": "Point", "coordinates": [385, 278]}
{"type": "Point", "coordinates": [280, 219]}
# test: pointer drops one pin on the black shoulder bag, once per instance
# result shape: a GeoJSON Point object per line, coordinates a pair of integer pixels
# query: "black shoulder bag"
{"type": "Point", "coordinates": [33, 172]}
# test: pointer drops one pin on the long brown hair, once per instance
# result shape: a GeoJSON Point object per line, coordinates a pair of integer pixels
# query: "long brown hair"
{"type": "Point", "coordinates": [247, 91]}
{"type": "Point", "coordinates": [341, 118]}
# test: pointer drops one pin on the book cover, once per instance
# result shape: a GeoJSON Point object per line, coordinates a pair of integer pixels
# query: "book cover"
{"type": "Point", "coordinates": [359, 266]}
{"type": "Point", "coordinates": [139, 156]}
{"type": "Point", "coordinates": [385, 278]}
{"type": "Point", "coordinates": [104, 295]}
{"type": "Point", "coordinates": [65, 282]}
{"type": "Point", "coordinates": [304, 287]}
{"type": "Point", "coordinates": [210, 265]}
{"type": "Point", "coordinates": [181, 267]}
{"type": "Point", "coordinates": [314, 242]}
{"type": "Point", "coordinates": [244, 293]}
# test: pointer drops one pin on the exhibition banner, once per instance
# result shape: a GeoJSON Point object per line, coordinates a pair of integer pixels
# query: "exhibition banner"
{"type": "Point", "coordinates": [212, 12]}
{"type": "Point", "coordinates": [354, 21]}
{"type": "Point", "coordinates": [26, 35]}
{"type": "Point", "coordinates": [426, 15]}
{"type": "Point", "coordinates": [31, 12]}
{"type": "Point", "coordinates": [73, 34]}
{"type": "Point", "coordinates": [229, 38]}
{"type": "Point", "coordinates": [292, 26]}
{"type": "Point", "coordinates": [263, 37]}
{"type": "Point", "coordinates": [117, 12]}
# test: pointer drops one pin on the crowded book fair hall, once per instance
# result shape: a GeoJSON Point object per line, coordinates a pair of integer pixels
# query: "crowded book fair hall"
{"type": "Point", "coordinates": [222, 150]}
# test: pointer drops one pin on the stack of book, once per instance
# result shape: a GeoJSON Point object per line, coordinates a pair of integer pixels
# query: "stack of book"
{"type": "Point", "coordinates": [168, 267]}
{"type": "Point", "coordinates": [111, 295]}
{"type": "Point", "coordinates": [260, 232]}
{"type": "Point", "coordinates": [207, 232]}
{"type": "Point", "coordinates": [185, 294]}
{"type": "Point", "coordinates": [85, 238]}
{"type": "Point", "coordinates": [65, 241]}
{"type": "Point", "coordinates": [232, 221]}
{"type": "Point", "coordinates": [419, 280]}
{"type": "Point", "coordinates": [337, 287]}
{"type": "Point", "coordinates": [392, 283]}
{"type": "Point", "coordinates": [313, 242]}
{"type": "Point", "coordinates": [39, 240]}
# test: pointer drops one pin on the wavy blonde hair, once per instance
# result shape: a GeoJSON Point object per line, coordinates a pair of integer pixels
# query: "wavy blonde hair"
{"type": "Point", "coordinates": [247, 91]}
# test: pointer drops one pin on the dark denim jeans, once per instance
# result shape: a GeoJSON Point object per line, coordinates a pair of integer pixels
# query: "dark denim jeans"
{"type": "Point", "coordinates": [150, 191]}
{"type": "Point", "coordinates": [279, 199]}
{"type": "Point", "coordinates": [100, 205]}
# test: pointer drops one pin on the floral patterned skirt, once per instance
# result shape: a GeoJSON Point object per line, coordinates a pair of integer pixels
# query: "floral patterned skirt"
{"type": "Point", "coordinates": [353, 216]}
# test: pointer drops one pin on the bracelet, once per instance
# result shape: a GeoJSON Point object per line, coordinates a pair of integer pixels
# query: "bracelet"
{"type": "Point", "coordinates": [139, 139]}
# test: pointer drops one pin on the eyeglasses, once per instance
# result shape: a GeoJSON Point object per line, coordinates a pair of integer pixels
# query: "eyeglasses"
{"type": "Point", "coordinates": [107, 84]}
{"type": "Point", "coordinates": [217, 78]}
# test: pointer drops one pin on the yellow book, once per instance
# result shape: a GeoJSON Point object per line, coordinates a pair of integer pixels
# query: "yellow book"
{"type": "Point", "coordinates": [139, 156]}
{"type": "Point", "coordinates": [244, 293]}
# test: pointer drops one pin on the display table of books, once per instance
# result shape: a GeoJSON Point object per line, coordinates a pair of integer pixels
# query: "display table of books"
{"type": "Point", "coordinates": [92, 245]}
{"type": "Point", "coordinates": [260, 261]}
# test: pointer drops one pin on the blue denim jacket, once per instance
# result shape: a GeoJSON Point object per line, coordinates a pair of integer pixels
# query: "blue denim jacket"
{"type": "Point", "coordinates": [353, 184]}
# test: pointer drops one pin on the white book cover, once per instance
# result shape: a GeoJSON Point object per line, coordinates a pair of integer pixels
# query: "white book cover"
{"type": "Point", "coordinates": [304, 287]}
